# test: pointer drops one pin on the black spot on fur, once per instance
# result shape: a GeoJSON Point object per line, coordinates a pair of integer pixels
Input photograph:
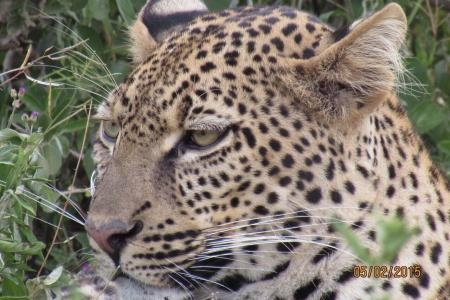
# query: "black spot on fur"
{"type": "Point", "coordinates": [305, 291]}
{"type": "Point", "coordinates": [249, 137]}
{"type": "Point", "coordinates": [410, 290]}
{"type": "Point", "coordinates": [308, 53]}
{"type": "Point", "coordinates": [310, 27]}
{"type": "Point", "coordinates": [313, 196]}
{"type": "Point", "coordinates": [335, 196]}
{"type": "Point", "coordinates": [324, 253]}
{"type": "Point", "coordinates": [436, 252]}
{"type": "Point", "coordinates": [234, 282]}
{"type": "Point", "coordinates": [424, 280]}
{"type": "Point", "coordinates": [288, 29]}
{"type": "Point", "coordinates": [277, 271]}
{"type": "Point", "coordinates": [205, 68]}
{"type": "Point", "coordinates": [328, 295]}
{"type": "Point", "coordinates": [261, 210]}
{"type": "Point", "coordinates": [278, 43]}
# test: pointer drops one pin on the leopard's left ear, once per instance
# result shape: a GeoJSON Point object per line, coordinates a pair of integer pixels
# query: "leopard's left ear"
{"type": "Point", "coordinates": [157, 19]}
{"type": "Point", "coordinates": [351, 75]}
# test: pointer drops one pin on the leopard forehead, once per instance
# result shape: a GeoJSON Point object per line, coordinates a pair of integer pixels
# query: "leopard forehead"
{"type": "Point", "coordinates": [213, 58]}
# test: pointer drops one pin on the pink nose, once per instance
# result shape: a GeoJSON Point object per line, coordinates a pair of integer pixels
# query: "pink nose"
{"type": "Point", "coordinates": [113, 236]}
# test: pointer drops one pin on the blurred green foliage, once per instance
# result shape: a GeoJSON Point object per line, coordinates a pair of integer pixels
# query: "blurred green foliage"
{"type": "Point", "coordinates": [79, 51]}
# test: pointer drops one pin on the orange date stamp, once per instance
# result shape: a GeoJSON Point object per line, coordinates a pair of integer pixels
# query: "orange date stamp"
{"type": "Point", "coordinates": [414, 271]}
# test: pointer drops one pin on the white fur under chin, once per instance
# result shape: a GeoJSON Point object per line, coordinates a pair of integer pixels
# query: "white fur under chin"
{"type": "Point", "coordinates": [133, 290]}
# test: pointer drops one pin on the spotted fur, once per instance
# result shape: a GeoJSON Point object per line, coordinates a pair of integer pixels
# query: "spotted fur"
{"type": "Point", "coordinates": [311, 132]}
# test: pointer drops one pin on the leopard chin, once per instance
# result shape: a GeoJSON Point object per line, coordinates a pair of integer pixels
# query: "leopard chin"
{"type": "Point", "coordinates": [130, 288]}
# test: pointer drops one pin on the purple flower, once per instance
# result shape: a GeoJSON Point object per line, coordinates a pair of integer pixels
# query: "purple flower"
{"type": "Point", "coordinates": [34, 115]}
{"type": "Point", "coordinates": [85, 268]}
{"type": "Point", "coordinates": [22, 91]}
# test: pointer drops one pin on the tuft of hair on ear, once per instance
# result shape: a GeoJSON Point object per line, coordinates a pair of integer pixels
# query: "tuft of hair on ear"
{"type": "Point", "coordinates": [159, 18]}
{"type": "Point", "coordinates": [349, 78]}
{"type": "Point", "coordinates": [141, 41]}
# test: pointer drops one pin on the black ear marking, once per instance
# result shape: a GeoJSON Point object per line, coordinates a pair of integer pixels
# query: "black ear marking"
{"type": "Point", "coordinates": [340, 33]}
{"type": "Point", "coordinates": [162, 17]}
{"type": "Point", "coordinates": [160, 26]}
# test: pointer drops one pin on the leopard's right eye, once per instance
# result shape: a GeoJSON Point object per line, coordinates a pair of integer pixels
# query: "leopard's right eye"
{"type": "Point", "coordinates": [110, 130]}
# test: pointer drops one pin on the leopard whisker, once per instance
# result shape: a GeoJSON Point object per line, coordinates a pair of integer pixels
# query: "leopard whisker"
{"type": "Point", "coordinates": [210, 281]}
{"type": "Point", "coordinates": [71, 202]}
{"type": "Point", "coordinates": [75, 87]}
{"type": "Point", "coordinates": [30, 195]}
{"type": "Point", "coordinates": [185, 273]}
{"type": "Point", "coordinates": [238, 240]}
{"type": "Point", "coordinates": [279, 239]}
{"type": "Point", "coordinates": [203, 257]}
{"type": "Point", "coordinates": [230, 268]}
{"type": "Point", "coordinates": [283, 228]}
{"type": "Point", "coordinates": [87, 78]}
{"type": "Point", "coordinates": [51, 206]}
{"type": "Point", "coordinates": [269, 219]}
{"type": "Point", "coordinates": [190, 295]}
{"type": "Point", "coordinates": [196, 278]}
{"type": "Point", "coordinates": [90, 50]}
{"type": "Point", "coordinates": [41, 220]}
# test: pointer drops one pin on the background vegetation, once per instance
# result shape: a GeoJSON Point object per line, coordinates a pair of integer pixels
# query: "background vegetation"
{"type": "Point", "coordinates": [61, 57]}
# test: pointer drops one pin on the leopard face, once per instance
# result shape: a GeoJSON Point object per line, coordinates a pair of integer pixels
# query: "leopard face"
{"type": "Point", "coordinates": [226, 156]}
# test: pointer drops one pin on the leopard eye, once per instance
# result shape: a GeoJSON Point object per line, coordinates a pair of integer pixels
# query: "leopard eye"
{"type": "Point", "coordinates": [203, 138]}
{"type": "Point", "coordinates": [110, 130]}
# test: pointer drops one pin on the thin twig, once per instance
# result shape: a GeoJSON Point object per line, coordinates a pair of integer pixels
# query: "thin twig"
{"type": "Point", "coordinates": [66, 204]}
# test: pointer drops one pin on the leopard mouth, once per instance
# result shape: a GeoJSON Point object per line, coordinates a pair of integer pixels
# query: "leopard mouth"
{"type": "Point", "coordinates": [180, 276]}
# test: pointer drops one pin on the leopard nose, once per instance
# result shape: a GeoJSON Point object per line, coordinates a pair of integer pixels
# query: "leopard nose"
{"type": "Point", "coordinates": [113, 236]}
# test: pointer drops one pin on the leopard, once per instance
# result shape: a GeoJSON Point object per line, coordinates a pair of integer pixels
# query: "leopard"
{"type": "Point", "coordinates": [227, 157]}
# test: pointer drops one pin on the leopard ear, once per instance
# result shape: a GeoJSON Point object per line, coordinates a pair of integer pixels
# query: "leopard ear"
{"type": "Point", "coordinates": [157, 19]}
{"type": "Point", "coordinates": [351, 75]}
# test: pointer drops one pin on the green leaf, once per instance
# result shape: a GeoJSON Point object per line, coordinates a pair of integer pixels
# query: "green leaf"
{"type": "Point", "coordinates": [426, 115]}
{"type": "Point", "coordinates": [126, 11]}
{"type": "Point", "coordinates": [26, 203]}
{"type": "Point", "coordinates": [215, 5]}
{"type": "Point", "coordinates": [392, 235]}
{"type": "Point", "coordinates": [326, 16]}
{"type": "Point", "coordinates": [444, 147]}
{"type": "Point", "coordinates": [51, 157]}
{"type": "Point", "coordinates": [94, 39]}
{"type": "Point", "coordinates": [98, 9]}
{"type": "Point", "coordinates": [34, 98]}
{"type": "Point", "coordinates": [12, 289]}
{"type": "Point", "coordinates": [8, 154]}
{"type": "Point", "coordinates": [442, 73]}
{"type": "Point", "coordinates": [53, 276]}
{"type": "Point", "coordinates": [21, 248]}
{"type": "Point", "coordinates": [353, 241]}
{"type": "Point", "coordinates": [8, 135]}
{"type": "Point", "coordinates": [88, 162]}
{"type": "Point", "coordinates": [138, 4]}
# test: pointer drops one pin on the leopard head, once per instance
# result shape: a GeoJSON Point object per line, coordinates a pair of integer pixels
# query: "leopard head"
{"type": "Point", "coordinates": [215, 151]}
